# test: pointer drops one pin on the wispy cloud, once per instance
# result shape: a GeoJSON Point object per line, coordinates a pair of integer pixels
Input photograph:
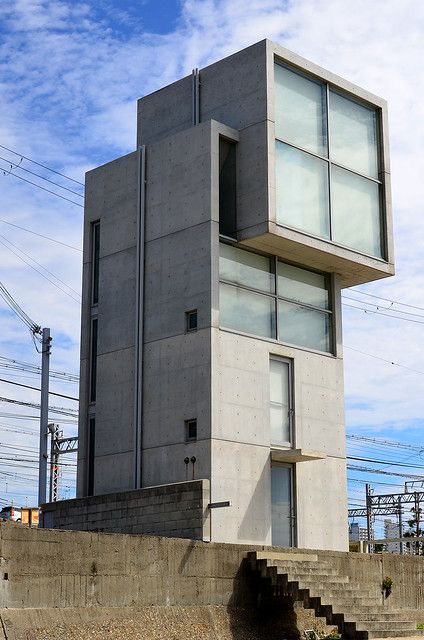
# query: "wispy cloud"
{"type": "Point", "coordinates": [70, 74]}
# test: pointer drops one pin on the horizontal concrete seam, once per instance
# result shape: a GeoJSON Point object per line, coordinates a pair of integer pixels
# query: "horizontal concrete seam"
{"type": "Point", "coordinates": [172, 233]}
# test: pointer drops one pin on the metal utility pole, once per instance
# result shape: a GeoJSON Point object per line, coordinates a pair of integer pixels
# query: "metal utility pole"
{"type": "Point", "coordinates": [44, 416]}
{"type": "Point", "coordinates": [58, 446]}
{"type": "Point", "coordinates": [368, 507]}
{"type": "Point", "coordinates": [54, 462]}
{"type": "Point", "coordinates": [400, 525]}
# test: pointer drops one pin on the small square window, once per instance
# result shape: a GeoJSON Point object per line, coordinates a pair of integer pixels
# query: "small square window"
{"type": "Point", "coordinates": [191, 320]}
{"type": "Point", "coordinates": [190, 430]}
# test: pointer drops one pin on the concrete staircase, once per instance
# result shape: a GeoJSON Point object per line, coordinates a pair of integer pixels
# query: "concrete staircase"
{"type": "Point", "coordinates": [357, 612]}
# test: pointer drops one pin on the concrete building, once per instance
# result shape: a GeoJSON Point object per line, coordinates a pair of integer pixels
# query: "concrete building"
{"type": "Point", "coordinates": [391, 530]}
{"type": "Point", "coordinates": [214, 259]}
{"type": "Point", "coordinates": [357, 533]}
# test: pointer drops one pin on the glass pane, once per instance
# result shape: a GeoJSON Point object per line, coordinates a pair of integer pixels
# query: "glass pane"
{"type": "Point", "coordinates": [353, 135]}
{"type": "Point", "coordinates": [300, 111]}
{"type": "Point", "coordinates": [246, 311]}
{"type": "Point", "coordinates": [304, 326]}
{"type": "Point", "coordinates": [356, 212]}
{"type": "Point", "coordinates": [279, 402]}
{"type": "Point", "coordinates": [302, 191]}
{"type": "Point", "coordinates": [243, 267]}
{"type": "Point", "coordinates": [301, 285]}
{"type": "Point", "coordinates": [281, 507]}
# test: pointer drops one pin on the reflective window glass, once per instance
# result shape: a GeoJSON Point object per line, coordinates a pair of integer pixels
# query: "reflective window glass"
{"type": "Point", "coordinates": [279, 401]}
{"type": "Point", "coordinates": [300, 110]}
{"type": "Point", "coordinates": [302, 191]}
{"type": "Point", "coordinates": [302, 285]}
{"type": "Point", "coordinates": [356, 212]}
{"type": "Point", "coordinates": [304, 326]}
{"type": "Point", "coordinates": [245, 268]}
{"type": "Point", "coordinates": [353, 135]}
{"type": "Point", "coordinates": [246, 311]}
{"type": "Point", "coordinates": [281, 506]}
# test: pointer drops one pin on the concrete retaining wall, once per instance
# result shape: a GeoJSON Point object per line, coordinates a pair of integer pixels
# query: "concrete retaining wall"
{"type": "Point", "coordinates": [44, 568]}
{"type": "Point", "coordinates": [175, 511]}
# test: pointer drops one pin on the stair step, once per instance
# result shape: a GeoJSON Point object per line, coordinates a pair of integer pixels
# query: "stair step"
{"type": "Point", "coordinates": [359, 613]}
{"type": "Point", "coordinates": [382, 633]}
{"type": "Point", "coordinates": [393, 626]}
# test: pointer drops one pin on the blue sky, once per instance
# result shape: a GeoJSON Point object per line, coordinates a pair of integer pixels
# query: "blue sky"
{"type": "Point", "coordinates": [70, 74]}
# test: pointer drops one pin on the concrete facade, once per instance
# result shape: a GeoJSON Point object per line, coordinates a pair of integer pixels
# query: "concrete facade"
{"type": "Point", "coordinates": [159, 214]}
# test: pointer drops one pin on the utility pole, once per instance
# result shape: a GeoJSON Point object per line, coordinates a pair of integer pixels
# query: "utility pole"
{"type": "Point", "coordinates": [44, 416]}
{"type": "Point", "coordinates": [368, 505]}
{"type": "Point", "coordinates": [400, 525]}
{"type": "Point", "coordinates": [54, 462]}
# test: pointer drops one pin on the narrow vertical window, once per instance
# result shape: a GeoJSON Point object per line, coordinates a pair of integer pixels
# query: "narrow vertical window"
{"type": "Point", "coordinates": [91, 445]}
{"type": "Point", "coordinates": [95, 262]}
{"type": "Point", "coordinates": [227, 188]}
{"type": "Point", "coordinates": [280, 402]}
{"type": "Point", "coordinates": [93, 360]}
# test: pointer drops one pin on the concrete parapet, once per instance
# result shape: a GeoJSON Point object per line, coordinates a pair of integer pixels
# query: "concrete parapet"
{"type": "Point", "coordinates": [174, 510]}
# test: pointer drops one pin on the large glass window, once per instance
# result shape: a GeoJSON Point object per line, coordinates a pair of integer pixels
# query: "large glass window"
{"type": "Point", "coordinates": [327, 182]}
{"type": "Point", "coordinates": [266, 297]}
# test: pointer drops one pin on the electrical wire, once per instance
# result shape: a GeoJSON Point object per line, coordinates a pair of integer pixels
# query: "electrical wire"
{"type": "Point", "coordinates": [14, 165]}
{"type": "Point", "coordinates": [380, 308]}
{"type": "Point", "coordinates": [35, 233]}
{"type": "Point", "coordinates": [396, 364]}
{"type": "Point", "coordinates": [34, 184]}
{"type": "Point", "coordinates": [59, 410]}
{"type": "Point", "coordinates": [372, 295]}
{"type": "Point", "coordinates": [27, 366]}
{"type": "Point", "coordinates": [11, 302]}
{"type": "Point", "coordinates": [20, 155]}
{"type": "Point", "coordinates": [51, 393]}
{"type": "Point", "coordinates": [38, 271]}
{"type": "Point", "coordinates": [379, 313]}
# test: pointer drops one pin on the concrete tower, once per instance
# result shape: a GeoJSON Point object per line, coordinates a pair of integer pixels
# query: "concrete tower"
{"type": "Point", "coordinates": [214, 258]}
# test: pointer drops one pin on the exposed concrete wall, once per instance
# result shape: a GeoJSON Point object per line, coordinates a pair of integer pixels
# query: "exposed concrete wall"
{"type": "Point", "coordinates": [42, 568]}
{"type": "Point", "coordinates": [241, 442]}
{"type": "Point", "coordinates": [175, 511]}
{"type": "Point", "coordinates": [111, 198]}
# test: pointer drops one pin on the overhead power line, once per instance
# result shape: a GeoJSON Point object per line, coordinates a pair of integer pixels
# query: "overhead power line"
{"type": "Point", "coordinates": [20, 155]}
{"type": "Point", "coordinates": [356, 467]}
{"type": "Point", "coordinates": [26, 366]}
{"type": "Point", "coordinates": [372, 295]}
{"type": "Point", "coordinates": [35, 233]}
{"type": "Point", "coordinates": [51, 393]}
{"type": "Point", "coordinates": [59, 410]}
{"type": "Point", "coordinates": [383, 308]}
{"type": "Point", "coordinates": [34, 184]}
{"type": "Point", "coordinates": [386, 443]}
{"type": "Point", "coordinates": [396, 364]}
{"type": "Point", "coordinates": [15, 165]}
{"type": "Point", "coordinates": [11, 302]}
{"type": "Point", "coordinates": [387, 462]}
{"type": "Point", "coordinates": [379, 313]}
{"type": "Point", "coordinates": [37, 270]}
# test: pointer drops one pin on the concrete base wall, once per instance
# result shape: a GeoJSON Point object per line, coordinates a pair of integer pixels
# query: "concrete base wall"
{"type": "Point", "coordinates": [42, 568]}
{"type": "Point", "coordinates": [173, 510]}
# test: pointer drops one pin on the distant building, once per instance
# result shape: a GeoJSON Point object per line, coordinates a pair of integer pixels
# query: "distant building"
{"type": "Point", "coordinates": [357, 533]}
{"type": "Point", "coordinates": [391, 530]}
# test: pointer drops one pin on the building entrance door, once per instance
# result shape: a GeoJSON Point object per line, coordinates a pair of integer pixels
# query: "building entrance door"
{"type": "Point", "coordinates": [282, 508]}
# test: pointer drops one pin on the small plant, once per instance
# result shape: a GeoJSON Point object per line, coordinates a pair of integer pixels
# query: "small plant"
{"type": "Point", "coordinates": [386, 586]}
{"type": "Point", "coordinates": [420, 625]}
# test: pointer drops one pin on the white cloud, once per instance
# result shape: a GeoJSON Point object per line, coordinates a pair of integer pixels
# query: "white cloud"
{"type": "Point", "coordinates": [70, 80]}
